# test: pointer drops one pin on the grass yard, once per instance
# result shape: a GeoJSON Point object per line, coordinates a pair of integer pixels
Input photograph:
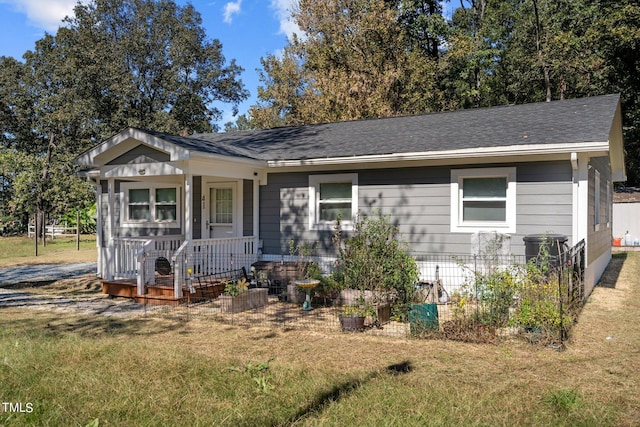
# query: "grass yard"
{"type": "Point", "coordinates": [19, 250]}
{"type": "Point", "coordinates": [148, 372]}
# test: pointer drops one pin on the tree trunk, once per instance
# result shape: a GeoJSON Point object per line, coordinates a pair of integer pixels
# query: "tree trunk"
{"type": "Point", "coordinates": [545, 67]}
{"type": "Point", "coordinates": [43, 185]}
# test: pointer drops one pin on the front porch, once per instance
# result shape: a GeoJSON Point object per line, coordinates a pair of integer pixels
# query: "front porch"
{"type": "Point", "coordinates": [169, 271]}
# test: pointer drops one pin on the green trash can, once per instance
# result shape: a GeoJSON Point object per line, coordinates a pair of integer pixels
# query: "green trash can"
{"type": "Point", "coordinates": [423, 318]}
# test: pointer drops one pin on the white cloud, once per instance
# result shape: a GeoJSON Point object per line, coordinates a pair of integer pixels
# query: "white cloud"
{"type": "Point", "coordinates": [230, 9]}
{"type": "Point", "coordinates": [45, 14]}
{"type": "Point", "coordinates": [283, 12]}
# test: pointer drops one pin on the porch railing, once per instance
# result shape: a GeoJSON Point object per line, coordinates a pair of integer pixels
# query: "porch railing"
{"type": "Point", "coordinates": [128, 252]}
{"type": "Point", "coordinates": [211, 256]}
{"type": "Point", "coordinates": [135, 258]}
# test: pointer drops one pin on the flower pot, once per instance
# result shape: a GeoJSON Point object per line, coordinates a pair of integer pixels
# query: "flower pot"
{"type": "Point", "coordinates": [234, 304]}
{"type": "Point", "coordinates": [352, 323]}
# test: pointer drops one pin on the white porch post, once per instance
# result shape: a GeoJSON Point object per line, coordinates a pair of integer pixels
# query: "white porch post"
{"type": "Point", "coordinates": [110, 247]}
{"type": "Point", "coordinates": [256, 216]}
{"type": "Point", "coordinates": [180, 268]}
{"type": "Point", "coordinates": [98, 188]}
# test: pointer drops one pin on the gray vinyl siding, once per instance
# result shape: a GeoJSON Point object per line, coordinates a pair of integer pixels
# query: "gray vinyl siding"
{"type": "Point", "coordinates": [599, 242]}
{"type": "Point", "coordinates": [196, 212]}
{"type": "Point", "coordinates": [247, 208]}
{"type": "Point", "coordinates": [419, 201]}
{"type": "Point", "coordinates": [544, 201]}
{"type": "Point", "coordinates": [140, 154]}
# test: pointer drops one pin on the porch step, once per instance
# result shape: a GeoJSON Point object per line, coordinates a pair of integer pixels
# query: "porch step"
{"type": "Point", "coordinates": [160, 291]}
{"type": "Point", "coordinates": [158, 300]}
{"type": "Point", "coordinates": [119, 288]}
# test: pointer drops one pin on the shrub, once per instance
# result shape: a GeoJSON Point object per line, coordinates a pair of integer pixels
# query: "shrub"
{"type": "Point", "coordinates": [373, 258]}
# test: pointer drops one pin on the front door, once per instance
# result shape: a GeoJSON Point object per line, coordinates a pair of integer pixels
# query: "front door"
{"type": "Point", "coordinates": [221, 221]}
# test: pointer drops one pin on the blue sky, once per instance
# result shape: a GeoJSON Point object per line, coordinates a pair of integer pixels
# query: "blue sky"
{"type": "Point", "coordinates": [248, 30]}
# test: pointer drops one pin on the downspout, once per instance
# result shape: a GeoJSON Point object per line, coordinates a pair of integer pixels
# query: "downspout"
{"type": "Point", "coordinates": [575, 198]}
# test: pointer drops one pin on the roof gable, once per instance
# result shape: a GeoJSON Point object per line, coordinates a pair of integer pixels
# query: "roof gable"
{"type": "Point", "coordinates": [141, 154]}
{"type": "Point", "coordinates": [127, 140]}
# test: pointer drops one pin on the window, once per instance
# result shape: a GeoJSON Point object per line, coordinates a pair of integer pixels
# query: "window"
{"type": "Point", "coordinates": [166, 207]}
{"type": "Point", "coordinates": [139, 205]}
{"type": "Point", "coordinates": [222, 208]}
{"type": "Point", "coordinates": [332, 197]}
{"type": "Point", "coordinates": [146, 203]}
{"type": "Point", "coordinates": [483, 200]}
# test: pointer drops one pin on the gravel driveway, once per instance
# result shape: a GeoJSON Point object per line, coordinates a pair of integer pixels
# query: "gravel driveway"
{"type": "Point", "coordinates": [45, 272]}
{"type": "Point", "coordinates": [89, 305]}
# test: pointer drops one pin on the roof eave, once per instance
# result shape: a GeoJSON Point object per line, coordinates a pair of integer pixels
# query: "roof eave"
{"type": "Point", "coordinates": [515, 150]}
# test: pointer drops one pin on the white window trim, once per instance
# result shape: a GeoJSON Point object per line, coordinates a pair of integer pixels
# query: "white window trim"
{"type": "Point", "coordinates": [126, 222]}
{"type": "Point", "coordinates": [457, 176]}
{"type": "Point", "coordinates": [314, 191]}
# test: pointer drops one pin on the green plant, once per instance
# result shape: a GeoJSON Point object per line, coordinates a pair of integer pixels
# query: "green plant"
{"type": "Point", "coordinates": [303, 252]}
{"type": "Point", "coordinates": [359, 310]}
{"type": "Point", "coordinates": [260, 375]}
{"type": "Point", "coordinates": [373, 258]}
{"type": "Point", "coordinates": [539, 306]}
{"type": "Point", "coordinates": [563, 400]}
{"type": "Point", "coordinates": [235, 287]}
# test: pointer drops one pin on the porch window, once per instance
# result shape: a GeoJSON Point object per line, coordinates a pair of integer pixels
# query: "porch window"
{"type": "Point", "coordinates": [483, 200]}
{"type": "Point", "coordinates": [166, 207]}
{"type": "Point", "coordinates": [332, 197]}
{"type": "Point", "coordinates": [146, 203]}
{"type": "Point", "coordinates": [139, 205]}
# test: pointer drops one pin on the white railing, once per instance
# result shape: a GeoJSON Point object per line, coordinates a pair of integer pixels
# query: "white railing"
{"type": "Point", "coordinates": [127, 257]}
{"type": "Point", "coordinates": [210, 256]}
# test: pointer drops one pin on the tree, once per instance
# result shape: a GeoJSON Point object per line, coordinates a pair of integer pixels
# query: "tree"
{"type": "Point", "coordinates": [117, 63]}
{"type": "Point", "coordinates": [356, 61]}
{"type": "Point", "coordinates": [150, 64]}
{"type": "Point", "coordinates": [618, 28]}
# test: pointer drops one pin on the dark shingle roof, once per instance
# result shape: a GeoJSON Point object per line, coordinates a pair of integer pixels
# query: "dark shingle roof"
{"type": "Point", "coordinates": [567, 121]}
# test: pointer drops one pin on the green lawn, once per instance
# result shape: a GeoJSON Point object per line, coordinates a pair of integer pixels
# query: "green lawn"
{"type": "Point", "coordinates": [20, 250]}
{"type": "Point", "coordinates": [155, 371]}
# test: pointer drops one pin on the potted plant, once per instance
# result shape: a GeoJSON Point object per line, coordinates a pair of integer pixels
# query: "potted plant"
{"type": "Point", "coordinates": [353, 317]}
{"type": "Point", "coordinates": [377, 264]}
{"type": "Point", "coordinates": [235, 297]}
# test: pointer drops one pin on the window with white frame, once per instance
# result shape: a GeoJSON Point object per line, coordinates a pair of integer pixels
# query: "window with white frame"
{"type": "Point", "coordinates": [332, 196]}
{"type": "Point", "coordinates": [149, 203]}
{"type": "Point", "coordinates": [483, 200]}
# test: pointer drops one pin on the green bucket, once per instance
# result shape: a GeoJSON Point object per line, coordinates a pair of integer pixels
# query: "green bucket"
{"type": "Point", "coordinates": [423, 318]}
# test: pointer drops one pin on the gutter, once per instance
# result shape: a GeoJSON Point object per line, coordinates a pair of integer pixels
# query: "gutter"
{"type": "Point", "coordinates": [514, 150]}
